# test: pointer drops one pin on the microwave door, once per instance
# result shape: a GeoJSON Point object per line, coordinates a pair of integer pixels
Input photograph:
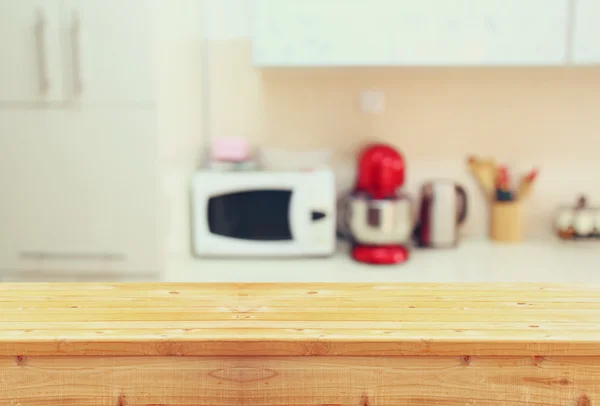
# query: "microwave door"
{"type": "Point", "coordinates": [253, 215]}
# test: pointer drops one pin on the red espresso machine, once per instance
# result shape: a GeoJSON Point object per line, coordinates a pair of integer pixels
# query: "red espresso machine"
{"type": "Point", "coordinates": [379, 217]}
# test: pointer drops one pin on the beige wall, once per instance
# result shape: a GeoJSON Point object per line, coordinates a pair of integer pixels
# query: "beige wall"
{"type": "Point", "coordinates": [432, 113]}
{"type": "Point", "coordinates": [435, 116]}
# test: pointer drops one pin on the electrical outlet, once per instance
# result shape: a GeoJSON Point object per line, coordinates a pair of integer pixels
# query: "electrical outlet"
{"type": "Point", "coordinates": [372, 101]}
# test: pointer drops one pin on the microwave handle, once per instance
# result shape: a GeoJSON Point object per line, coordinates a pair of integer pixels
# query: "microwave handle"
{"type": "Point", "coordinates": [296, 214]}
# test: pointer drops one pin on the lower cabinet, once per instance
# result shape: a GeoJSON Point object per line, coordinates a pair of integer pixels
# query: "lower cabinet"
{"type": "Point", "coordinates": [79, 191]}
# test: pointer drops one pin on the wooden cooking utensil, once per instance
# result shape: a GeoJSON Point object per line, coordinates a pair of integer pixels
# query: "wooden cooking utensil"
{"type": "Point", "coordinates": [526, 184]}
{"type": "Point", "coordinates": [485, 171]}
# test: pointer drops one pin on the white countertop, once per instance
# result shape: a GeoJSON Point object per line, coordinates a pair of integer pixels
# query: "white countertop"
{"type": "Point", "coordinates": [551, 261]}
{"type": "Point", "coordinates": [473, 261]}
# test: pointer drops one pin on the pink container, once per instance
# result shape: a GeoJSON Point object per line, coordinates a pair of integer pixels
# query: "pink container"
{"type": "Point", "coordinates": [230, 149]}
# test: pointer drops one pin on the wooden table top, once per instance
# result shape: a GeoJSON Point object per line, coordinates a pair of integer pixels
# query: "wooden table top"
{"type": "Point", "coordinates": [299, 319]}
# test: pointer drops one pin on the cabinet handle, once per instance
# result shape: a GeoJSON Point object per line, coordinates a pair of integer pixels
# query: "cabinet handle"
{"type": "Point", "coordinates": [76, 54]}
{"type": "Point", "coordinates": [40, 37]}
{"type": "Point", "coordinates": [73, 256]}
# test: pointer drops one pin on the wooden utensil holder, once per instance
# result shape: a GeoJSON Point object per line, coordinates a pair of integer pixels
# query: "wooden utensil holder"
{"type": "Point", "coordinates": [506, 222]}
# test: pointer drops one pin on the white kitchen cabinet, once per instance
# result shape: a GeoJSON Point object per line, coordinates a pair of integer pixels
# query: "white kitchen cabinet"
{"type": "Point", "coordinates": [79, 191]}
{"type": "Point", "coordinates": [586, 32]}
{"type": "Point", "coordinates": [30, 61]}
{"type": "Point", "coordinates": [107, 51]}
{"type": "Point", "coordinates": [93, 52]}
{"type": "Point", "coordinates": [409, 32]}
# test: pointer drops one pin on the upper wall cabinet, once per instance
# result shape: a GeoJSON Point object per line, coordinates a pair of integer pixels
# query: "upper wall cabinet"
{"type": "Point", "coordinates": [586, 32]}
{"type": "Point", "coordinates": [88, 51]}
{"type": "Point", "coordinates": [108, 50]}
{"type": "Point", "coordinates": [410, 32]}
{"type": "Point", "coordinates": [30, 65]}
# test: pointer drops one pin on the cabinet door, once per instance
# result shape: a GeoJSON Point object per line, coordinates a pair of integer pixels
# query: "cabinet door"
{"type": "Point", "coordinates": [108, 51]}
{"type": "Point", "coordinates": [408, 32]}
{"type": "Point", "coordinates": [79, 191]}
{"type": "Point", "coordinates": [482, 32]}
{"type": "Point", "coordinates": [323, 33]}
{"type": "Point", "coordinates": [586, 35]}
{"type": "Point", "coordinates": [30, 69]}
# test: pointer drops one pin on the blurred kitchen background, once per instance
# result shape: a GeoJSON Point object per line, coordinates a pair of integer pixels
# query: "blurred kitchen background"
{"type": "Point", "coordinates": [544, 113]}
{"type": "Point", "coordinates": [545, 116]}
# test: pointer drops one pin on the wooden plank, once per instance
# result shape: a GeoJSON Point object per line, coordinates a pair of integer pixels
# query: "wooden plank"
{"type": "Point", "coordinates": [304, 381]}
{"type": "Point", "coordinates": [314, 314]}
{"type": "Point", "coordinates": [259, 345]}
{"type": "Point", "coordinates": [68, 381]}
{"type": "Point", "coordinates": [422, 381]}
{"type": "Point", "coordinates": [436, 337]}
{"type": "Point", "coordinates": [294, 289]}
{"type": "Point", "coordinates": [193, 327]}
{"type": "Point", "coordinates": [583, 303]}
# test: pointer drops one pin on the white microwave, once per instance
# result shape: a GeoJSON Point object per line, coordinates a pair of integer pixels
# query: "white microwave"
{"type": "Point", "coordinates": [263, 214]}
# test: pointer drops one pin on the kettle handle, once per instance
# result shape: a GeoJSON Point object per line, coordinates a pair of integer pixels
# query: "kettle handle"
{"type": "Point", "coordinates": [342, 219]}
{"type": "Point", "coordinates": [463, 195]}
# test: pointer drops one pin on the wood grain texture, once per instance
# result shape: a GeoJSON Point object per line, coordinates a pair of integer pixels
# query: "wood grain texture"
{"type": "Point", "coordinates": [171, 319]}
{"type": "Point", "coordinates": [299, 344]}
{"type": "Point", "coordinates": [303, 381]}
{"type": "Point", "coordinates": [120, 381]}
